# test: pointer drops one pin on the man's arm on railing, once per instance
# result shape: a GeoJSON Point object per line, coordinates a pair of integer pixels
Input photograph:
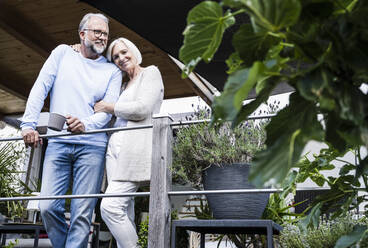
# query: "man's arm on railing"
{"type": "Point", "coordinates": [37, 97]}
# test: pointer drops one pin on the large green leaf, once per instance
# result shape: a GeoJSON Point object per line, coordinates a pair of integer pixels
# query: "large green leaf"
{"type": "Point", "coordinates": [250, 107]}
{"type": "Point", "coordinates": [316, 10]}
{"type": "Point", "coordinates": [256, 74]}
{"type": "Point", "coordinates": [342, 6]}
{"type": "Point", "coordinates": [362, 168]}
{"type": "Point", "coordinates": [206, 25]}
{"type": "Point", "coordinates": [223, 105]}
{"type": "Point", "coordinates": [312, 219]}
{"type": "Point", "coordinates": [273, 15]}
{"type": "Point", "coordinates": [252, 46]}
{"type": "Point", "coordinates": [352, 238]}
{"type": "Point", "coordinates": [312, 84]}
{"type": "Point", "coordinates": [287, 135]}
{"type": "Point", "coordinates": [236, 90]}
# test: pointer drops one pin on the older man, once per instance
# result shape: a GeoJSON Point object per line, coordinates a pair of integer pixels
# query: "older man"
{"type": "Point", "coordinates": [75, 82]}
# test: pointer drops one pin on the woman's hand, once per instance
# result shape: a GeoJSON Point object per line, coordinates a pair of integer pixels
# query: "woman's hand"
{"type": "Point", "coordinates": [102, 106]}
{"type": "Point", "coordinates": [76, 47]}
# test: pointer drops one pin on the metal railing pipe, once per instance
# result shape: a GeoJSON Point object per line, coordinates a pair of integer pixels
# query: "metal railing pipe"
{"type": "Point", "coordinates": [180, 123]}
{"type": "Point", "coordinates": [170, 193]}
{"type": "Point", "coordinates": [115, 129]}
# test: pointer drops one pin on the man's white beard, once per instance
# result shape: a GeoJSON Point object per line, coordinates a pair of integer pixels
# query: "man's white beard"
{"type": "Point", "coordinates": [94, 48]}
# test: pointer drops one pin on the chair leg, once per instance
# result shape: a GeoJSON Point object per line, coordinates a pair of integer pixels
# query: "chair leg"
{"type": "Point", "coordinates": [3, 239]}
{"type": "Point", "coordinates": [37, 235]}
{"type": "Point", "coordinates": [203, 239]}
{"type": "Point", "coordinates": [269, 236]}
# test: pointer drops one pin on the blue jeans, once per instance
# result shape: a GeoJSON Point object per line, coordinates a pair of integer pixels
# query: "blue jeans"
{"type": "Point", "coordinates": [85, 163]}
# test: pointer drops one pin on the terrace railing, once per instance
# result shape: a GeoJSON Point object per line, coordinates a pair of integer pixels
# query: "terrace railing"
{"type": "Point", "coordinates": [160, 184]}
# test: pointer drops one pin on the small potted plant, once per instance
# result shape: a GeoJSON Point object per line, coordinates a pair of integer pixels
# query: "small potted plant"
{"type": "Point", "coordinates": [219, 157]}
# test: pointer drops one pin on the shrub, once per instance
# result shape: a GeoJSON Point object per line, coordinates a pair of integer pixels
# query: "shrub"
{"type": "Point", "coordinates": [325, 235]}
{"type": "Point", "coordinates": [199, 146]}
{"type": "Point", "coordinates": [11, 155]}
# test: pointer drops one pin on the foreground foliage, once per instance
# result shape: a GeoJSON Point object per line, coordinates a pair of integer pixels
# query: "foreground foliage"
{"type": "Point", "coordinates": [318, 47]}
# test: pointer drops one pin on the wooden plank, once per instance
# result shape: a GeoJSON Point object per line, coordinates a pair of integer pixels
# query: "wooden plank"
{"type": "Point", "coordinates": [12, 83]}
{"type": "Point", "coordinates": [25, 30]}
{"type": "Point", "coordinates": [160, 207]}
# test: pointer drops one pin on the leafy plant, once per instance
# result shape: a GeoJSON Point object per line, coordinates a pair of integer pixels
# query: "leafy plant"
{"type": "Point", "coordinates": [12, 244]}
{"type": "Point", "coordinates": [143, 234]}
{"type": "Point", "coordinates": [199, 146]}
{"type": "Point", "coordinates": [182, 235]}
{"type": "Point", "coordinates": [317, 47]}
{"type": "Point", "coordinates": [326, 235]}
{"type": "Point", "coordinates": [11, 155]}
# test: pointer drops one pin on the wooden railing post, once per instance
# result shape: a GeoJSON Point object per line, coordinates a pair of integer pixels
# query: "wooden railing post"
{"type": "Point", "coordinates": [159, 206]}
{"type": "Point", "coordinates": [34, 165]}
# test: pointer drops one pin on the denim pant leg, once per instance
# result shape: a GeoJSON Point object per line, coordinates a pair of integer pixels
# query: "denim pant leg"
{"type": "Point", "coordinates": [88, 170]}
{"type": "Point", "coordinates": [55, 181]}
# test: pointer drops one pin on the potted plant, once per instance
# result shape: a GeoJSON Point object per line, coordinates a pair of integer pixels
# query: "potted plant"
{"type": "Point", "coordinates": [219, 157]}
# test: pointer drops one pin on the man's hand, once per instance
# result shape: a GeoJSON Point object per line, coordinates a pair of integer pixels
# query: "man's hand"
{"type": "Point", "coordinates": [31, 137]}
{"type": "Point", "coordinates": [74, 124]}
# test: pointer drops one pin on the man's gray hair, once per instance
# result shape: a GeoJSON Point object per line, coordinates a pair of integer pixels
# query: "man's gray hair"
{"type": "Point", "coordinates": [88, 16]}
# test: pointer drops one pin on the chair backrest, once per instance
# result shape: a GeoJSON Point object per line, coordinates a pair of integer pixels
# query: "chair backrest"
{"type": "Point", "coordinates": [34, 204]}
{"type": "Point", "coordinates": [33, 208]}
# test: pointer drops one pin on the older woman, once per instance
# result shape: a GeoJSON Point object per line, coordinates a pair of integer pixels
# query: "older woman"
{"type": "Point", "coordinates": [128, 157]}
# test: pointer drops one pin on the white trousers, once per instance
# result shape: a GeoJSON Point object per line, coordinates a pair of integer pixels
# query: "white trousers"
{"type": "Point", "coordinates": [118, 212]}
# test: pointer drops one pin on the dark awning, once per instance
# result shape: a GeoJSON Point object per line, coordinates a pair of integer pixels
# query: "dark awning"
{"type": "Point", "coordinates": [162, 23]}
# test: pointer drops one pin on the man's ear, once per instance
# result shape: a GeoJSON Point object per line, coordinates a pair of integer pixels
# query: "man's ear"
{"type": "Point", "coordinates": [82, 34]}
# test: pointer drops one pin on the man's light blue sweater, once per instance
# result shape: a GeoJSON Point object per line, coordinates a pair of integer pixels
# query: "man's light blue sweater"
{"type": "Point", "coordinates": [75, 84]}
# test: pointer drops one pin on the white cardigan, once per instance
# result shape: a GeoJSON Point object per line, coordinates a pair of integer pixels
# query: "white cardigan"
{"type": "Point", "coordinates": [137, 104]}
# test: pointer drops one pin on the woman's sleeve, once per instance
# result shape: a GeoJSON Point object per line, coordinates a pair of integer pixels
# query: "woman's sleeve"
{"type": "Point", "coordinates": [150, 91]}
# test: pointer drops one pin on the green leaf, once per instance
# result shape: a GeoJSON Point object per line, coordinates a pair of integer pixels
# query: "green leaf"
{"type": "Point", "coordinates": [223, 105]}
{"type": "Point", "coordinates": [256, 74]}
{"type": "Point", "coordinates": [233, 63]}
{"type": "Point", "coordinates": [316, 9]}
{"type": "Point", "coordinates": [273, 15]}
{"type": "Point", "coordinates": [362, 168]}
{"type": "Point", "coordinates": [342, 6]}
{"type": "Point", "coordinates": [287, 135]}
{"type": "Point", "coordinates": [203, 34]}
{"type": "Point", "coordinates": [252, 46]}
{"type": "Point", "coordinates": [312, 84]}
{"type": "Point", "coordinates": [352, 238]}
{"type": "Point", "coordinates": [312, 219]}
{"type": "Point", "coordinates": [333, 123]}
{"type": "Point", "coordinates": [233, 3]}
{"type": "Point", "coordinates": [250, 107]}
{"type": "Point", "coordinates": [236, 90]}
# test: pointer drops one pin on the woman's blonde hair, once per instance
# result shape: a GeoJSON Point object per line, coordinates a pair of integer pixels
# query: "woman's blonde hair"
{"type": "Point", "coordinates": [130, 45]}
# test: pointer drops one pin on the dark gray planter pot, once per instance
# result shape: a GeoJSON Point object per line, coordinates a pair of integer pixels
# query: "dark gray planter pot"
{"type": "Point", "coordinates": [233, 206]}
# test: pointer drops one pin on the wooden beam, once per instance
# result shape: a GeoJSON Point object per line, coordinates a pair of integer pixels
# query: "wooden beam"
{"type": "Point", "coordinates": [25, 30]}
{"type": "Point", "coordinates": [13, 83]}
{"type": "Point", "coordinates": [191, 81]}
{"type": "Point", "coordinates": [160, 185]}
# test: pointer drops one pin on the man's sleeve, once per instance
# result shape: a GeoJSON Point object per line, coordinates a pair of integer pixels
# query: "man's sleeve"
{"type": "Point", "coordinates": [41, 88]}
{"type": "Point", "coordinates": [99, 120]}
